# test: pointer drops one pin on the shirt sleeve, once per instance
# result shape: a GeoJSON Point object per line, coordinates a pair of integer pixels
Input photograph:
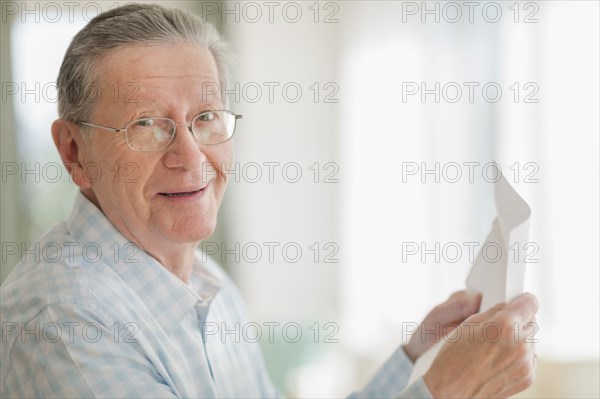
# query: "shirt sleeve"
{"type": "Point", "coordinates": [66, 351]}
{"type": "Point", "coordinates": [390, 380]}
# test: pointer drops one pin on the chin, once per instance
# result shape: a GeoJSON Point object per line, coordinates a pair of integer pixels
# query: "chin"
{"type": "Point", "coordinates": [194, 232]}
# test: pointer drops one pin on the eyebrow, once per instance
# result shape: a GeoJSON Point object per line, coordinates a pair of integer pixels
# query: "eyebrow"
{"type": "Point", "coordinates": [155, 113]}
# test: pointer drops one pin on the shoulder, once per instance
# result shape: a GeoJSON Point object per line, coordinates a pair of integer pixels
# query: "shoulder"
{"type": "Point", "coordinates": [57, 269]}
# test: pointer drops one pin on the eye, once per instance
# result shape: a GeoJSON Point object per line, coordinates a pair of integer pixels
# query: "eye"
{"type": "Point", "coordinates": [145, 122]}
{"type": "Point", "coordinates": [207, 116]}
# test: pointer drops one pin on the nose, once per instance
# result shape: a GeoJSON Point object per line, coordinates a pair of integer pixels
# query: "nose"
{"type": "Point", "coordinates": [185, 151]}
{"type": "Point", "coordinates": [188, 126]}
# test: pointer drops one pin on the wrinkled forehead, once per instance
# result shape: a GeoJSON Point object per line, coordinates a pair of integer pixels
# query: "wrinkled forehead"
{"type": "Point", "coordinates": [141, 74]}
{"type": "Point", "coordinates": [141, 61]}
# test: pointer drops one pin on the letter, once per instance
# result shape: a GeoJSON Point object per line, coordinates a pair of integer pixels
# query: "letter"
{"type": "Point", "coordinates": [408, 329]}
{"type": "Point", "coordinates": [409, 89]}
{"type": "Point", "coordinates": [458, 12]}
{"type": "Point", "coordinates": [209, 328]}
{"type": "Point", "coordinates": [94, 336]}
{"type": "Point", "coordinates": [235, 91]}
{"type": "Point", "coordinates": [457, 175]}
{"type": "Point", "coordinates": [435, 172]}
{"type": "Point", "coordinates": [285, 91]}
{"type": "Point", "coordinates": [235, 251]}
{"type": "Point", "coordinates": [425, 91]}
{"type": "Point", "coordinates": [298, 334]}
{"type": "Point", "coordinates": [257, 174]}
{"type": "Point", "coordinates": [34, 250]}
{"type": "Point", "coordinates": [9, 8]}
{"type": "Point", "coordinates": [271, 246]}
{"type": "Point", "coordinates": [87, 5]}
{"type": "Point", "coordinates": [9, 89]}
{"type": "Point", "coordinates": [471, 167]}
{"type": "Point", "coordinates": [26, 11]}
{"type": "Point", "coordinates": [57, 11]}
{"type": "Point", "coordinates": [236, 171]}
{"type": "Point", "coordinates": [409, 169]}
{"type": "Point", "coordinates": [258, 251]}
{"type": "Point", "coordinates": [226, 11]}
{"type": "Point", "coordinates": [9, 328]}
{"type": "Point", "coordinates": [498, 11]}
{"type": "Point", "coordinates": [270, 166]}
{"type": "Point", "coordinates": [209, 249]}
{"type": "Point", "coordinates": [209, 8]}
{"type": "Point", "coordinates": [409, 248]}
{"type": "Point", "coordinates": [235, 331]}
{"type": "Point", "coordinates": [31, 330]}
{"type": "Point", "coordinates": [298, 12]}
{"type": "Point", "coordinates": [268, 4]}
{"type": "Point", "coordinates": [257, 89]}
{"type": "Point", "coordinates": [435, 331]}
{"type": "Point", "coordinates": [435, 12]}
{"type": "Point", "coordinates": [456, 87]}
{"type": "Point", "coordinates": [209, 90]}
{"type": "Point", "coordinates": [85, 251]}
{"type": "Point", "coordinates": [435, 252]}
{"type": "Point", "coordinates": [298, 174]}
{"type": "Point", "coordinates": [409, 8]}
{"type": "Point", "coordinates": [257, 335]}
{"type": "Point", "coordinates": [486, 97]}
{"type": "Point", "coordinates": [458, 251]}
{"type": "Point", "coordinates": [471, 86]}
{"type": "Point", "coordinates": [9, 248]}
{"type": "Point", "coordinates": [284, 252]}
{"type": "Point", "coordinates": [271, 86]}
{"type": "Point", "coordinates": [52, 336]}
{"type": "Point", "coordinates": [271, 326]}
{"type": "Point", "coordinates": [257, 12]}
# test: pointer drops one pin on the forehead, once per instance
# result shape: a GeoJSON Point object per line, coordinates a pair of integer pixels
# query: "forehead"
{"type": "Point", "coordinates": [148, 64]}
{"type": "Point", "coordinates": [146, 69]}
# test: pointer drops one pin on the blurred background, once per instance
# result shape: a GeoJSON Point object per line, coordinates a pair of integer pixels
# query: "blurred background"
{"type": "Point", "coordinates": [364, 168]}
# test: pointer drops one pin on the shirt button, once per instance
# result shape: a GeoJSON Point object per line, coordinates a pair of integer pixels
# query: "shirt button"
{"type": "Point", "coordinates": [206, 297]}
{"type": "Point", "coordinates": [204, 300]}
{"type": "Point", "coordinates": [201, 304]}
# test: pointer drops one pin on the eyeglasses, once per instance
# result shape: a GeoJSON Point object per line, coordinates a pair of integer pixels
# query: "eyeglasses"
{"type": "Point", "coordinates": [155, 134]}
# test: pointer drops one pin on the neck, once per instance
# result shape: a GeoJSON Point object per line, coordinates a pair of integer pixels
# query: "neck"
{"type": "Point", "coordinates": [178, 258]}
{"type": "Point", "coordinates": [179, 262]}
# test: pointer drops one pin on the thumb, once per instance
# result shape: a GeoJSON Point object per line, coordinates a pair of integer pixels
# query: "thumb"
{"type": "Point", "coordinates": [458, 307]}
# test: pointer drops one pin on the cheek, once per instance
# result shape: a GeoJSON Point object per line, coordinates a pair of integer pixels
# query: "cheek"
{"type": "Point", "coordinates": [130, 174]}
{"type": "Point", "coordinates": [223, 153]}
{"type": "Point", "coordinates": [122, 178]}
{"type": "Point", "coordinates": [221, 158]}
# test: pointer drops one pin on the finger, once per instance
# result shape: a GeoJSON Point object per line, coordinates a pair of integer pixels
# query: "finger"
{"type": "Point", "coordinates": [458, 307]}
{"type": "Point", "coordinates": [522, 308]}
{"type": "Point", "coordinates": [488, 314]}
{"type": "Point", "coordinates": [457, 294]}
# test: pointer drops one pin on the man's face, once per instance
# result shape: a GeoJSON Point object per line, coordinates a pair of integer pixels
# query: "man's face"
{"type": "Point", "coordinates": [136, 189]}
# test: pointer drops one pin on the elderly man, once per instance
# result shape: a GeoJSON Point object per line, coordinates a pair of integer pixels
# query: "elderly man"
{"type": "Point", "coordinates": [122, 312]}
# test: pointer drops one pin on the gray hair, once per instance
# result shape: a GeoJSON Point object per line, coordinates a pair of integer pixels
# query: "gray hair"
{"type": "Point", "coordinates": [129, 25]}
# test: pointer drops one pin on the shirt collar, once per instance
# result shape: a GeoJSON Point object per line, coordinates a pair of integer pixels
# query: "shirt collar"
{"type": "Point", "coordinates": [165, 295]}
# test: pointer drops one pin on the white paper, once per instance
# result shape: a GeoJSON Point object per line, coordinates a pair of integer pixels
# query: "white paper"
{"type": "Point", "coordinates": [499, 273]}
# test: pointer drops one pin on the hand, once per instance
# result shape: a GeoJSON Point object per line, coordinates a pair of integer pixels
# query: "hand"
{"type": "Point", "coordinates": [489, 354]}
{"type": "Point", "coordinates": [442, 319]}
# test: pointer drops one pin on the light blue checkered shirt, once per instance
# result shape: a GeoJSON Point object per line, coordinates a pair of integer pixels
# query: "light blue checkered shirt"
{"type": "Point", "coordinates": [87, 314]}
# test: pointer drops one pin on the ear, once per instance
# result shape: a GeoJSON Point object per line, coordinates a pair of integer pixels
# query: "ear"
{"type": "Point", "coordinates": [70, 146]}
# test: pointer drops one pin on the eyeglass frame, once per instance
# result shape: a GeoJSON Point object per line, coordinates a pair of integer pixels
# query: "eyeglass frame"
{"type": "Point", "coordinates": [188, 124]}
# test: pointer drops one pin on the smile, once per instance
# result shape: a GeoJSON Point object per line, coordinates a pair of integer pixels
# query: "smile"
{"type": "Point", "coordinates": [182, 194]}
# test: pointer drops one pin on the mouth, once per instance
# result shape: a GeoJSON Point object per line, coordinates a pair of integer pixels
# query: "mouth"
{"type": "Point", "coordinates": [181, 194]}
{"type": "Point", "coordinates": [184, 193]}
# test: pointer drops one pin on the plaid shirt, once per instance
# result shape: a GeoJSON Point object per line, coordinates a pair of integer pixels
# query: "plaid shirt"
{"type": "Point", "coordinates": [88, 314]}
